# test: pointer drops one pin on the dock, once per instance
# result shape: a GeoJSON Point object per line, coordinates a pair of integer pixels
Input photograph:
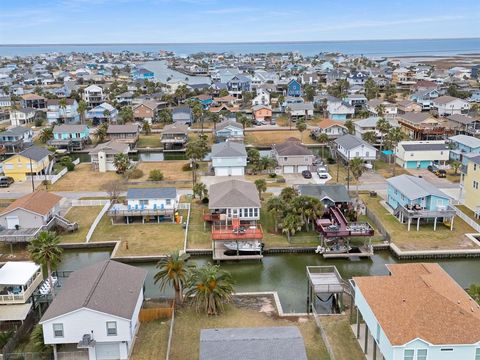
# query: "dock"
{"type": "Point", "coordinates": [219, 254]}
{"type": "Point", "coordinates": [363, 252]}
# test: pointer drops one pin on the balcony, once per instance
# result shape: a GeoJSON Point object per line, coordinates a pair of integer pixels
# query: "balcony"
{"type": "Point", "coordinates": [22, 290]}
{"type": "Point", "coordinates": [247, 232]}
{"type": "Point", "coordinates": [125, 210]}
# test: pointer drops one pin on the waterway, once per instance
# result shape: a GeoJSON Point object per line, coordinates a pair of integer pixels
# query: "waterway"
{"type": "Point", "coordinates": [284, 273]}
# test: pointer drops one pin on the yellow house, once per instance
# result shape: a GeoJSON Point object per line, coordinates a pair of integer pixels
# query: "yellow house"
{"type": "Point", "coordinates": [471, 184]}
{"type": "Point", "coordinates": [33, 160]}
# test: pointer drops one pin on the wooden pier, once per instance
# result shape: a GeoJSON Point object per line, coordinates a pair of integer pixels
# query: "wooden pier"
{"type": "Point", "coordinates": [364, 252]}
{"type": "Point", "coordinates": [219, 254]}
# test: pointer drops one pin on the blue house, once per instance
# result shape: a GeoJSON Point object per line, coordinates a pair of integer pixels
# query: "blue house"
{"type": "Point", "coordinates": [238, 84]}
{"type": "Point", "coordinates": [294, 88]}
{"type": "Point", "coordinates": [414, 198]}
{"type": "Point", "coordinates": [463, 145]}
{"type": "Point", "coordinates": [142, 74]}
{"type": "Point", "coordinates": [70, 137]}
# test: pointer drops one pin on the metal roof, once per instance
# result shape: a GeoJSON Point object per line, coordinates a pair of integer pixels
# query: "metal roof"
{"type": "Point", "coordinates": [152, 193]}
{"type": "Point", "coordinates": [414, 187]}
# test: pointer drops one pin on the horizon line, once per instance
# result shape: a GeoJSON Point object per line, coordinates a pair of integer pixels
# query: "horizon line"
{"type": "Point", "coordinates": [229, 42]}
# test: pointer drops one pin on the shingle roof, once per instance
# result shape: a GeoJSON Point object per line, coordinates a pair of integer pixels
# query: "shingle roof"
{"type": "Point", "coordinates": [226, 123]}
{"type": "Point", "coordinates": [35, 153]}
{"type": "Point", "coordinates": [325, 124]}
{"type": "Point", "coordinates": [279, 343]}
{"type": "Point", "coordinates": [292, 147]}
{"type": "Point", "coordinates": [350, 141]}
{"type": "Point", "coordinates": [122, 129]}
{"type": "Point", "coordinates": [175, 129]}
{"type": "Point", "coordinates": [40, 202]}
{"type": "Point", "coordinates": [109, 287]}
{"type": "Point", "coordinates": [445, 99]}
{"type": "Point", "coordinates": [423, 146]}
{"type": "Point", "coordinates": [152, 193]}
{"type": "Point", "coordinates": [111, 147]}
{"type": "Point", "coordinates": [469, 141]}
{"type": "Point", "coordinates": [233, 193]}
{"type": "Point", "coordinates": [67, 128]}
{"type": "Point", "coordinates": [421, 301]}
{"type": "Point", "coordinates": [228, 149]}
{"type": "Point", "coordinates": [17, 130]}
{"type": "Point", "coordinates": [462, 119]}
{"type": "Point", "coordinates": [335, 192]}
{"type": "Point", "coordinates": [417, 118]}
{"type": "Point", "coordinates": [414, 187]}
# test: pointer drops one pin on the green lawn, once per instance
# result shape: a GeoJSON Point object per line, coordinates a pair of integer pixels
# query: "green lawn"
{"type": "Point", "coordinates": [341, 338]}
{"type": "Point", "coordinates": [84, 216]}
{"type": "Point", "coordinates": [149, 141]}
{"type": "Point", "coordinates": [198, 236]}
{"type": "Point", "coordinates": [385, 169]}
{"type": "Point", "coordinates": [425, 238]}
{"type": "Point", "coordinates": [468, 212]}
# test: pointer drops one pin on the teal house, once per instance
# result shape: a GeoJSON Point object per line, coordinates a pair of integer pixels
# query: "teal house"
{"type": "Point", "coordinates": [70, 137]}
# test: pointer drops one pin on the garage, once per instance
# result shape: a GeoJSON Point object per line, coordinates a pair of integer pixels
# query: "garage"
{"type": "Point", "coordinates": [288, 169]}
{"type": "Point", "coordinates": [302, 168]}
{"type": "Point", "coordinates": [221, 171]}
{"type": "Point", "coordinates": [237, 171]}
{"type": "Point", "coordinates": [107, 351]}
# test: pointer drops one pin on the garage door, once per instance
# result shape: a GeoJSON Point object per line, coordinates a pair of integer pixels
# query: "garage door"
{"type": "Point", "coordinates": [222, 171]}
{"type": "Point", "coordinates": [237, 171]}
{"type": "Point", "coordinates": [107, 351]}
{"type": "Point", "coordinates": [302, 168]}
{"type": "Point", "coordinates": [12, 221]}
{"type": "Point", "coordinates": [288, 169]}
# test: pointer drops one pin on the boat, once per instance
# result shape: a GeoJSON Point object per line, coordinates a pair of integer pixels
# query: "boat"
{"type": "Point", "coordinates": [244, 246]}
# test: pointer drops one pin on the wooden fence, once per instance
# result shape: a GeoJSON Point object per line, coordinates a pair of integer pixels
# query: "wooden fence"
{"type": "Point", "coordinates": [150, 314]}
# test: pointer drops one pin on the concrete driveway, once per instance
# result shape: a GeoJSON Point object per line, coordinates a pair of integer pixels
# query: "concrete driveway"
{"type": "Point", "coordinates": [298, 179]}
{"type": "Point", "coordinates": [433, 179]}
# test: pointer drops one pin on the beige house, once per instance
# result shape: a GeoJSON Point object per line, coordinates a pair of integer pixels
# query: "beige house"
{"type": "Point", "coordinates": [102, 155]}
{"type": "Point", "coordinates": [292, 157]}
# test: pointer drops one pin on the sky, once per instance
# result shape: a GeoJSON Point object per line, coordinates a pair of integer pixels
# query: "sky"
{"type": "Point", "coordinates": [173, 21]}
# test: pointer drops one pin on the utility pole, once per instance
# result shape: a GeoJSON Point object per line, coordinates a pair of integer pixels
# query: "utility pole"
{"type": "Point", "coordinates": [31, 176]}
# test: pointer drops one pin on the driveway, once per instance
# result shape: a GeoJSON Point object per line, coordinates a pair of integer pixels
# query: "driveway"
{"type": "Point", "coordinates": [433, 179]}
{"type": "Point", "coordinates": [298, 179]}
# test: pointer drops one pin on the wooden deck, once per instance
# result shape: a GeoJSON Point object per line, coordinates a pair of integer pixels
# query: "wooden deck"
{"type": "Point", "coordinates": [219, 254]}
{"type": "Point", "coordinates": [229, 233]}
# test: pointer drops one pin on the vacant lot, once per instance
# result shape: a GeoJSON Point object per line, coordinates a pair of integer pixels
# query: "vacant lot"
{"type": "Point", "coordinates": [385, 169]}
{"type": "Point", "coordinates": [84, 216]}
{"type": "Point", "coordinates": [171, 169]}
{"type": "Point", "coordinates": [267, 138]}
{"type": "Point", "coordinates": [83, 178]}
{"type": "Point", "coordinates": [199, 237]}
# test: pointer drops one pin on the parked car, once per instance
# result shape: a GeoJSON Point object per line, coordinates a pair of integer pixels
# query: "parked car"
{"type": "Point", "coordinates": [440, 173]}
{"type": "Point", "coordinates": [306, 174]}
{"type": "Point", "coordinates": [430, 168]}
{"type": "Point", "coordinates": [6, 181]}
{"type": "Point", "coordinates": [323, 175]}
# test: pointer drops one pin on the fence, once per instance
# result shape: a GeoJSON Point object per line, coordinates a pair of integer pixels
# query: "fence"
{"type": "Point", "coordinates": [183, 206]}
{"type": "Point", "coordinates": [378, 224]}
{"type": "Point", "coordinates": [20, 333]}
{"type": "Point", "coordinates": [52, 178]}
{"type": "Point", "coordinates": [150, 314]}
{"type": "Point", "coordinates": [467, 219]}
{"type": "Point", "coordinates": [102, 212]}
{"type": "Point", "coordinates": [75, 202]}
{"type": "Point", "coordinates": [76, 162]}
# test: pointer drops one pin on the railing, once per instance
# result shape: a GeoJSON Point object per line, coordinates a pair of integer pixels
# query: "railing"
{"type": "Point", "coordinates": [424, 213]}
{"type": "Point", "coordinates": [76, 202]}
{"type": "Point", "coordinates": [26, 237]}
{"type": "Point", "coordinates": [220, 232]}
{"type": "Point", "coordinates": [24, 295]}
{"type": "Point", "coordinates": [139, 212]}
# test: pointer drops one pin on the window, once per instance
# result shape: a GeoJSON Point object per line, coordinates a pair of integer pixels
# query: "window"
{"type": "Point", "coordinates": [422, 354]}
{"type": "Point", "coordinates": [58, 330]}
{"type": "Point", "coordinates": [477, 354]}
{"type": "Point", "coordinates": [250, 212]}
{"type": "Point", "coordinates": [143, 202]}
{"type": "Point", "coordinates": [408, 354]}
{"type": "Point", "coordinates": [111, 328]}
{"type": "Point", "coordinates": [255, 212]}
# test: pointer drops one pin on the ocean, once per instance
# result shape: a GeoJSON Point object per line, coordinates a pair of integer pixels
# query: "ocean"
{"type": "Point", "coordinates": [373, 48]}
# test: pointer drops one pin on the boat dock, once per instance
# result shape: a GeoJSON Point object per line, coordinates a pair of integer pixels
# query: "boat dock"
{"type": "Point", "coordinates": [360, 252]}
{"type": "Point", "coordinates": [219, 254]}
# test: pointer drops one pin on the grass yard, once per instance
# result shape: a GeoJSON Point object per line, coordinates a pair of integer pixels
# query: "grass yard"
{"type": "Point", "coordinates": [171, 169]}
{"type": "Point", "coordinates": [188, 323]}
{"type": "Point", "coordinates": [385, 169]}
{"type": "Point", "coordinates": [192, 136]}
{"type": "Point", "coordinates": [267, 138]}
{"type": "Point", "coordinates": [342, 175]}
{"type": "Point", "coordinates": [468, 212]}
{"type": "Point", "coordinates": [425, 238]}
{"type": "Point", "coordinates": [341, 338]}
{"type": "Point", "coordinates": [143, 239]}
{"type": "Point", "coordinates": [152, 340]}
{"type": "Point", "coordinates": [452, 177]}
{"type": "Point", "coordinates": [149, 141]}
{"type": "Point", "coordinates": [84, 216]}
{"type": "Point", "coordinates": [83, 178]}
{"type": "Point", "coordinates": [198, 238]}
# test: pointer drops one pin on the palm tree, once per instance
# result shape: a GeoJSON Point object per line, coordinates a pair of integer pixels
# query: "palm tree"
{"type": "Point", "coordinates": [370, 137]}
{"type": "Point", "coordinates": [301, 126]}
{"type": "Point", "coordinates": [210, 288]}
{"type": "Point", "coordinates": [146, 128]}
{"type": "Point", "coordinates": [323, 139]}
{"type": "Point", "coordinates": [46, 135]}
{"type": "Point", "coordinates": [62, 104]}
{"type": "Point", "coordinates": [261, 186]}
{"type": "Point", "coordinates": [456, 165]}
{"type": "Point", "coordinates": [215, 119]}
{"type": "Point", "coordinates": [82, 108]}
{"type": "Point", "coordinates": [165, 116]}
{"type": "Point", "coordinates": [291, 224]}
{"type": "Point", "coordinates": [106, 115]}
{"type": "Point", "coordinates": [121, 162]}
{"type": "Point", "coordinates": [350, 126]}
{"type": "Point", "coordinates": [173, 271]}
{"type": "Point", "coordinates": [357, 167]}
{"type": "Point", "coordinates": [275, 206]}
{"type": "Point", "coordinates": [37, 340]}
{"type": "Point", "coordinates": [243, 119]}
{"type": "Point", "coordinates": [288, 194]}
{"type": "Point", "coordinates": [393, 137]}
{"type": "Point", "coordinates": [44, 250]}
{"type": "Point", "coordinates": [200, 189]}
{"type": "Point", "coordinates": [380, 109]}
{"type": "Point", "coordinates": [101, 132]}
{"type": "Point", "coordinates": [196, 150]}
{"type": "Point", "coordinates": [383, 126]}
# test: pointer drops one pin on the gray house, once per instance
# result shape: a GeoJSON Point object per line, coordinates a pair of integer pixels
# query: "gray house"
{"type": "Point", "coordinates": [229, 158]}
{"type": "Point", "coordinates": [16, 139]}
{"type": "Point", "coordinates": [329, 194]}
{"type": "Point", "coordinates": [292, 157]}
{"type": "Point", "coordinates": [230, 130]}
{"type": "Point", "coordinates": [182, 115]}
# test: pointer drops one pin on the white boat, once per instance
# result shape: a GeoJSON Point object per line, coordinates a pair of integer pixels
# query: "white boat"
{"type": "Point", "coordinates": [247, 246]}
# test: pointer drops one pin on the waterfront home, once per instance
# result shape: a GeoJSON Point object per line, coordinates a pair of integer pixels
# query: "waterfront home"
{"type": "Point", "coordinates": [293, 157]}
{"type": "Point", "coordinates": [462, 145]}
{"type": "Point", "coordinates": [279, 343]}
{"type": "Point", "coordinates": [358, 101]}
{"type": "Point", "coordinates": [102, 113]}
{"type": "Point", "coordinates": [174, 137]}
{"type": "Point", "coordinates": [96, 315]}
{"type": "Point", "coordinates": [301, 110]}
{"type": "Point", "coordinates": [238, 84]}
{"type": "Point", "coordinates": [33, 101]}
{"type": "Point", "coordinates": [408, 106]}
{"type": "Point", "coordinates": [330, 127]}
{"type": "Point", "coordinates": [229, 158]}
{"type": "Point", "coordinates": [262, 112]}
{"type": "Point", "coordinates": [127, 134]}
{"type": "Point", "coordinates": [125, 98]}
{"type": "Point", "coordinates": [228, 100]}
{"type": "Point", "coordinates": [147, 111]}
{"type": "Point", "coordinates": [58, 114]}
{"type": "Point", "coordinates": [32, 160]}
{"type": "Point", "coordinates": [311, 78]}
{"type": "Point", "coordinates": [421, 154]}
{"type": "Point", "coordinates": [349, 147]}
{"type": "Point", "coordinates": [403, 76]}
{"type": "Point", "coordinates": [229, 130]}
{"type": "Point", "coordinates": [18, 281]}
{"type": "Point", "coordinates": [294, 88]}
{"type": "Point", "coordinates": [328, 194]}
{"type": "Point", "coordinates": [413, 198]}
{"type": "Point", "coordinates": [182, 115]}
{"type": "Point", "coordinates": [367, 125]}
{"type": "Point", "coordinates": [449, 105]}
{"type": "Point", "coordinates": [390, 110]}
{"type": "Point", "coordinates": [102, 155]}
{"type": "Point", "coordinates": [463, 124]}
{"type": "Point", "coordinates": [70, 137]}
{"type": "Point", "coordinates": [416, 312]}
{"type": "Point", "coordinates": [357, 78]}
{"type": "Point", "coordinates": [22, 116]}
{"type": "Point", "coordinates": [338, 110]}
{"type": "Point", "coordinates": [93, 96]}
{"type": "Point", "coordinates": [5, 101]}
{"type": "Point", "coordinates": [143, 74]}
{"type": "Point", "coordinates": [146, 205]}
{"type": "Point", "coordinates": [471, 185]}
{"type": "Point", "coordinates": [422, 126]}
{"type": "Point", "coordinates": [16, 139]}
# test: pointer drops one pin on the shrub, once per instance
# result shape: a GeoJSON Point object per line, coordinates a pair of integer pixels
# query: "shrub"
{"type": "Point", "coordinates": [67, 162]}
{"type": "Point", "coordinates": [281, 179]}
{"type": "Point", "coordinates": [187, 167]}
{"type": "Point", "coordinates": [155, 175]}
{"type": "Point", "coordinates": [205, 200]}
{"type": "Point", "coordinates": [272, 175]}
{"type": "Point", "coordinates": [38, 122]}
{"type": "Point", "coordinates": [52, 149]}
{"type": "Point", "coordinates": [70, 166]}
{"type": "Point", "coordinates": [135, 174]}
{"type": "Point", "coordinates": [331, 160]}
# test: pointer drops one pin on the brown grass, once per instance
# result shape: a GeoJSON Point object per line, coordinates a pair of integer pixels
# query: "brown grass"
{"type": "Point", "coordinates": [171, 169]}
{"type": "Point", "coordinates": [341, 338]}
{"type": "Point", "coordinates": [84, 216]}
{"type": "Point", "coordinates": [267, 138]}
{"type": "Point", "coordinates": [83, 178]}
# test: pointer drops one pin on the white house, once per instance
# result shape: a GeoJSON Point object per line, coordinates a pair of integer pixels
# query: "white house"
{"type": "Point", "coordinates": [421, 154]}
{"type": "Point", "coordinates": [301, 109]}
{"type": "Point", "coordinates": [449, 105]}
{"type": "Point", "coordinates": [93, 95]}
{"type": "Point", "coordinates": [418, 312]}
{"type": "Point", "coordinates": [390, 110]}
{"type": "Point", "coordinates": [68, 114]}
{"type": "Point", "coordinates": [332, 128]}
{"type": "Point", "coordinates": [229, 158]}
{"type": "Point", "coordinates": [102, 155]}
{"type": "Point", "coordinates": [230, 130]}
{"type": "Point", "coordinates": [262, 97]}
{"type": "Point", "coordinates": [349, 147]}
{"type": "Point", "coordinates": [96, 312]}
{"type": "Point", "coordinates": [22, 116]}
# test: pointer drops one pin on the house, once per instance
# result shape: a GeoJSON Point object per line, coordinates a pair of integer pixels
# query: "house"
{"type": "Point", "coordinates": [357, 78]}
{"type": "Point", "coordinates": [301, 110]}
{"type": "Point", "coordinates": [417, 311]}
{"type": "Point", "coordinates": [415, 199]}
{"type": "Point", "coordinates": [279, 343]}
{"type": "Point", "coordinates": [422, 154]}
{"type": "Point", "coordinates": [389, 110]}
{"type": "Point", "coordinates": [204, 99]}
{"type": "Point", "coordinates": [93, 96]}
{"type": "Point", "coordinates": [367, 125]}
{"type": "Point", "coordinates": [262, 97]}
{"type": "Point", "coordinates": [102, 113]}
{"type": "Point", "coordinates": [294, 88]}
{"type": "Point", "coordinates": [422, 126]}
{"type": "Point", "coordinates": [461, 145]}
{"type": "Point", "coordinates": [262, 112]}
{"type": "Point", "coordinates": [403, 76]}
{"type": "Point", "coordinates": [143, 74]}
{"type": "Point", "coordinates": [358, 101]}
{"type": "Point", "coordinates": [292, 157]}
{"type": "Point", "coordinates": [229, 130]}
{"type": "Point", "coordinates": [408, 106]}
{"type": "Point", "coordinates": [70, 137]}
{"type": "Point", "coordinates": [182, 115]}
{"type": "Point", "coordinates": [146, 205]}
{"type": "Point", "coordinates": [174, 137]}
{"type": "Point", "coordinates": [125, 98]}
{"type": "Point", "coordinates": [5, 101]}
{"type": "Point", "coordinates": [32, 160]}
{"type": "Point", "coordinates": [425, 98]}
{"type": "Point", "coordinates": [33, 101]}
{"type": "Point", "coordinates": [463, 124]}
{"type": "Point", "coordinates": [338, 110]}
{"type": "Point", "coordinates": [471, 185]}
{"type": "Point", "coordinates": [328, 194]}
{"type": "Point", "coordinates": [56, 113]}
{"type": "Point", "coordinates": [311, 78]}
{"type": "Point", "coordinates": [147, 111]}
{"type": "Point", "coordinates": [449, 105]}
{"type": "Point", "coordinates": [330, 127]}
{"type": "Point", "coordinates": [22, 116]}
{"type": "Point", "coordinates": [16, 139]}
{"type": "Point", "coordinates": [127, 133]}
{"type": "Point", "coordinates": [349, 147]}
{"type": "Point", "coordinates": [229, 158]}
{"type": "Point", "coordinates": [102, 155]}
{"type": "Point", "coordinates": [97, 311]}
{"type": "Point", "coordinates": [238, 84]}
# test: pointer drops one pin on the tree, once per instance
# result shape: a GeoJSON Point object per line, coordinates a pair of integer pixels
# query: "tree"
{"type": "Point", "coordinates": [106, 114]}
{"type": "Point", "coordinates": [62, 104]}
{"type": "Point", "coordinates": [474, 292]}
{"type": "Point", "coordinates": [323, 138]}
{"type": "Point", "coordinates": [339, 89]}
{"type": "Point", "coordinates": [223, 92]}
{"type": "Point", "coordinates": [196, 150]}
{"type": "Point", "coordinates": [200, 190]}
{"type": "Point", "coordinates": [37, 340]}
{"type": "Point", "coordinates": [383, 126]}
{"type": "Point", "coordinates": [309, 92]}
{"type": "Point", "coordinates": [121, 162]}
{"type": "Point", "coordinates": [45, 250]}
{"type": "Point", "coordinates": [210, 288]}
{"type": "Point", "coordinates": [253, 158]}
{"type": "Point", "coordinates": [173, 271]}
{"type": "Point", "coordinates": [101, 132]}
{"type": "Point", "coordinates": [181, 93]}
{"type": "Point", "coordinates": [371, 89]}
{"type": "Point", "coordinates": [146, 128]}
{"type": "Point", "coordinates": [261, 186]}
{"type": "Point", "coordinates": [113, 189]}
{"type": "Point", "coordinates": [165, 116]}
{"type": "Point", "coordinates": [357, 167]}
{"type": "Point", "coordinates": [82, 108]}
{"type": "Point", "coordinates": [391, 92]}
{"type": "Point", "coordinates": [126, 114]}
{"type": "Point", "coordinates": [197, 112]}
{"type": "Point", "coordinates": [393, 137]}
{"type": "Point", "coordinates": [215, 119]}
{"type": "Point", "coordinates": [46, 135]}
{"type": "Point", "coordinates": [291, 224]}
{"type": "Point", "coordinates": [350, 126]}
{"type": "Point", "coordinates": [308, 208]}
{"type": "Point", "coordinates": [380, 109]}
{"type": "Point", "coordinates": [301, 126]}
{"type": "Point", "coordinates": [243, 119]}
{"type": "Point", "coordinates": [370, 137]}
{"type": "Point", "coordinates": [275, 206]}
{"type": "Point", "coordinates": [288, 194]}
{"type": "Point", "coordinates": [456, 165]}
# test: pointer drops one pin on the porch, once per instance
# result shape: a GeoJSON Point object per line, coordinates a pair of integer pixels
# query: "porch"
{"type": "Point", "coordinates": [410, 213]}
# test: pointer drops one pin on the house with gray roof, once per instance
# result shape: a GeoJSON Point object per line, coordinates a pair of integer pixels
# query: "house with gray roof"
{"type": "Point", "coordinates": [229, 158]}
{"type": "Point", "coordinates": [328, 194]}
{"type": "Point", "coordinates": [70, 137]}
{"type": "Point", "coordinates": [16, 139]}
{"type": "Point", "coordinates": [102, 155]}
{"type": "Point", "coordinates": [22, 116]}
{"type": "Point", "coordinates": [293, 157]}
{"type": "Point", "coordinates": [349, 147]}
{"type": "Point", "coordinates": [126, 133]}
{"type": "Point", "coordinates": [462, 145]}
{"type": "Point", "coordinates": [229, 130]}
{"type": "Point", "coordinates": [276, 343]}
{"type": "Point", "coordinates": [182, 115]}
{"type": "Point", "coordinates": [97, 311]}
{"type": "Point", "coordinates": [422, 154]}
{"type": "Point", "coordinates": [174, 137]}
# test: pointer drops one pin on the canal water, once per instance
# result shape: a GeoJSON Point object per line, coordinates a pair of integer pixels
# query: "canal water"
{"type": "Point", "coordinates": [284, 273]}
